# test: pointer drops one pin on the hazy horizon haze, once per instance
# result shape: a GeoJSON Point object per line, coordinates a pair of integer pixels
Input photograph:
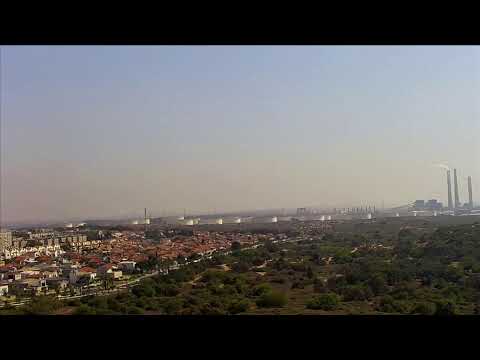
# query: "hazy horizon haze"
{"type": "Point", "coordinates": [100, 131]}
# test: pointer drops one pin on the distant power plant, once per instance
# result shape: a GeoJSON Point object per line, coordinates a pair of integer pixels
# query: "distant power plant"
{"type": "Point", "coordinates": [457, 204]}
{"type": "Point", "coordinates": [454, 206]}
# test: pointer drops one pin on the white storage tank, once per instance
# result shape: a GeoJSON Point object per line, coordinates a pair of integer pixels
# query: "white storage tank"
{"type": "Point", "coordinates": [266, 219]}
{"type": "Point", "coordinates": [232, 220]}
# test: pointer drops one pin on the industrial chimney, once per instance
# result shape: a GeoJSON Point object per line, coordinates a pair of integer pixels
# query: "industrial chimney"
{"type": "Point", "coordinates": [455, 184]}
{"type": "Point", "coordinates": [145, 220]}
{"type": "Point", "coordinates": [470, 197]}
{"type": "Point", "coordinates": [449, 184]}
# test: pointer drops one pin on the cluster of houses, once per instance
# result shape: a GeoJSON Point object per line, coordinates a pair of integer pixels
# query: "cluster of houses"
{"type": "Point", "coordinates": [66, 263]}
{"type": "Point", "coordinates": [30, 275]}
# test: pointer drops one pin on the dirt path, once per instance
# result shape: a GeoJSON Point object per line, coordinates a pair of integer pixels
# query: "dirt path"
{"type": "Point", "coordinates": [64, 311]}
{"type": "Point", "coordinates": [225, 267]}
{"type": "Point", "coordinates": [194, 281]}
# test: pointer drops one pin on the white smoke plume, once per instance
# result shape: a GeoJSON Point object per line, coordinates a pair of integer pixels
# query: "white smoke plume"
{"type": "Point", "coordinates": [442, 166]}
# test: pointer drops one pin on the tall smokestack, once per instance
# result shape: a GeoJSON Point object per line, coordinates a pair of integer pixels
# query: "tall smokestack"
{"type": "Point", "coordinates": [449, 185]}
{"type": "Point", "coordinates": [470, 197]}
{"type": "Point", "coordinates": [455, 185]}
{"type": "Point", "coordinates": [145, 220]}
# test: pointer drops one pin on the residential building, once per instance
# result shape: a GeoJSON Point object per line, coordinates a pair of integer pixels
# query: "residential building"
{"type": "Point", "coordinates": [57, 283]}
{"type": "Point", "coordinates": [88, 272]}
{"type": "Point", "coordinates": [29, 287]}
{"type": "Point", "coordinates": [5, 240]}
{"type": "Point", "coordinates": [108, 270]}
{"type": "Point", "coordinates": [127, 266]}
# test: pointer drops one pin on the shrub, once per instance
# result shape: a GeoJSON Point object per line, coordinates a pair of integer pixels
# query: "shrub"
{"type": "Point", "coordinates": [356, 293]}
{"type": "Point", "coordinates": [327, 301]}
{"type": "Point", "coordinates": [74, 302]}
{"type": "Point", "coordinates": [378, 284]}
{"type": "Point", "coordinates": [261, 289]}
{"type": "Point", "coordinates": [84, 310]}
{"type": "Point", "coordinates": [143, 290]}
{"type": "Point", "coordinates": [272, 299]}
{"type": "Point", "coordinates": [424, 308]}
{"type": "Point", "coordinates": [298, 285]}
{"type": "Point", "coordinates": [239, 306]}
{"type": "Point", "coordinates": [445, 308]}
{"type": "Point", "coordinates": [167, 290]}
{"type": "Point", "coordinates": [172, 306]}
{"type": "Point", "coordinates": [278, 280]}
{"type": "Point", "coordinates": [236, 246]}
{"type": "Point", "coordinates": [240, 267]}
{"type": "Point", "coordinates": [319, 286]}
{"type": "Point", "coordinates": [389, 305]}
{"type": "Point", "coordinates": [42, 305]}
{"type": "Point", "coordinates": [134, 310]}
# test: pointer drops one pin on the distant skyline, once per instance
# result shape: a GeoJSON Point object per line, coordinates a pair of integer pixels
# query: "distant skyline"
{"type": "Point", "coordinates": [102, 131]}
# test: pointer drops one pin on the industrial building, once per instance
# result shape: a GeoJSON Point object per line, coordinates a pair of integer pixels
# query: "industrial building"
{"type": "Point", "coordinates": [232, 220]}
{"type": "Point", "coordinates": [432, 204]}
{"type": "Point", "coordinates": [211, 221]}
{"type": "Point", "coordinates": [266, 219]}
{"type": "Point", "coordinates": [141, 222]}
{"type": "Point", "coordinates": [302, 211]}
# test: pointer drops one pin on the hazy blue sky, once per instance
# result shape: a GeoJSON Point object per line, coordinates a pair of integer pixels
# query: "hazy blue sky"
{"type": "Point", "coordinates": [100, 131]}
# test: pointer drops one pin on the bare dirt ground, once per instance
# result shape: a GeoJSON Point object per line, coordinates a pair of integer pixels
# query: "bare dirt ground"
{"type": "Point", "coordinates": [64, 311]}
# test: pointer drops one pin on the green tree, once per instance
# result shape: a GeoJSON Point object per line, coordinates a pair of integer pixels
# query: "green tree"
{"type": "Point", "coordinates": [310, 273]}
{"type": "Point", "coordinates": [378, 284]}
{"type": "Point", "coordinates": [240, 267]}
{"type": "Point", "coordinates": [261, 289]}
{"type": "Point", "coordinates": [42, 305]}
{"type": "Point", "coordinates": [134, 310]}
{"type": "Point", "coordinates": [425, 308]}
{"type": "Point", "coordinates": [356, 293]}
{"type": "Point", "coordinates": [272, 299]}
{"type": "Point", "coordinates": [476, 309]}
{"type": "Point", "coordinates": [84, 310]}
{"type": "Point", "coordinates": [328, 301]}
{"type": "Point", "coordinates": [445, 308]}
{"type": "Point", "coordinates": [239, 306]}
{"type": "Point", "coordinates": [236, 246]}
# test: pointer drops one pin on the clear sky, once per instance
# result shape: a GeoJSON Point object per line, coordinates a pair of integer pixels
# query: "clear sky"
{"type": "Point", "coordinates": [103, 131]}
